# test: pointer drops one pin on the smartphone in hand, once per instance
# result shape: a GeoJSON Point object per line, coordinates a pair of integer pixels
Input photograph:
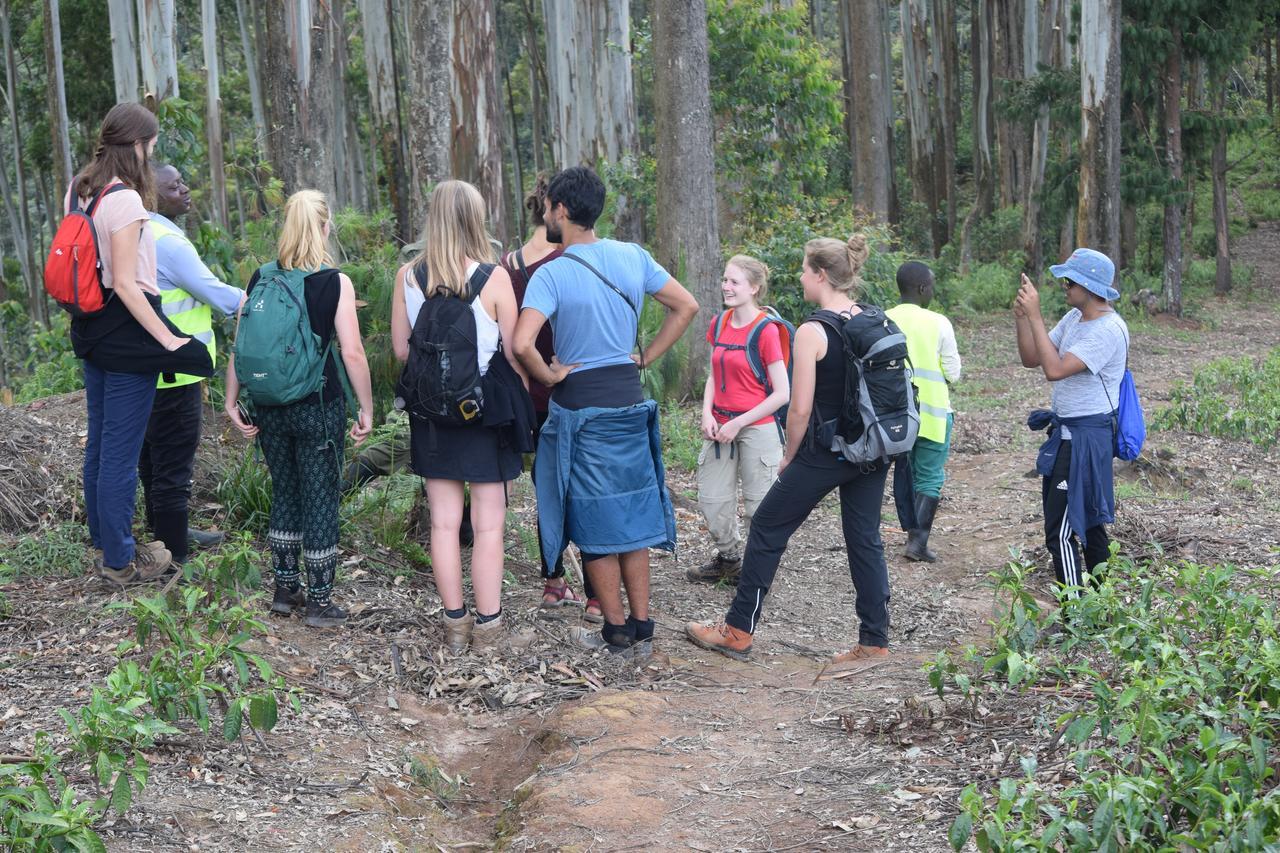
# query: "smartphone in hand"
{"type": "Point", "coordinates": [244, 413]}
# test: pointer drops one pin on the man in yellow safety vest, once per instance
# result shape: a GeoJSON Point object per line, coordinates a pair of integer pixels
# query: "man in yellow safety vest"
{"type": "Point", "coordinates": [935, 361]}
{"type": "Point", "coordinates": [189, 295]}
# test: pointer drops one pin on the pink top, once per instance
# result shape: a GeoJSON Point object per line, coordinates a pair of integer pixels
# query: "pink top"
{"type": "Point", "coordinates": [118, 210]}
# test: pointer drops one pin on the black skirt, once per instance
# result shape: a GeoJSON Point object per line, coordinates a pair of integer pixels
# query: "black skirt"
{"type": "Point", "coordinates": [475, 454]}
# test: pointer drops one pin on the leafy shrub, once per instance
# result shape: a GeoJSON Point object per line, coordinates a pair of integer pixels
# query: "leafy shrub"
{"type": "Point", "coordinates": [1231, 398]}
{"type": "Point", "coordinates": [1172, 746]}
{"type": "Point", "coordinates": [40, 811]}
{"type": "Point", "coordinates": [57, 550]}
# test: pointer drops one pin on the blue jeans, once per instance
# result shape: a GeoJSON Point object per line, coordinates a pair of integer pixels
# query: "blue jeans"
{"type": "Point", "coordinates": [119, 408]}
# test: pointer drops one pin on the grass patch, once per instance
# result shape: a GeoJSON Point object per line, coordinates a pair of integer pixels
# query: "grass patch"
{"type": "Point", "coordinates": [681, 436]}
{"type": "Point", "coordinates": [58, 551]}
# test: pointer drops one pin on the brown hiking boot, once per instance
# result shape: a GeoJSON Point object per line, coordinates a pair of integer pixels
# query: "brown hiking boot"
{"type": "Point", "coordinates": [855, 660]}
{"type": "Point", "coordinates": [149, 563]}
{"type": "Point", "coordinates": [486, 636]}
{"type": "Point", "coordinates": [457, 632]}
{"type": "Point", "coordinates": [720, 637]}
{"type": "Point", "coordinates": [150, 546]}
{"type": "Point", "coordinates": [721, 568]}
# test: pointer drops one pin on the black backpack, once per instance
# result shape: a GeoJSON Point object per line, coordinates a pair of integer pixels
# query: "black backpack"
{"type": "Point", "coordinates": [879, 418]}
{"type": "Point", "coordinates": [440, 382]}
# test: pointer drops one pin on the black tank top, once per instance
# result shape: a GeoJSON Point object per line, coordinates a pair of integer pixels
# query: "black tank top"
{"type": "Point", "coordinates": [828, 389]}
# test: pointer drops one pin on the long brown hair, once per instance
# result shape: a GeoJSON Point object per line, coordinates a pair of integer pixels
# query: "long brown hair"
{"type": "Point", "coordinates": [841, 261]}
{"type": "Point", "coordinates": [535, 201]}
{"type": "Point", "coordinates": [114, 155]}
{"type": "Point", "coordinates": [454, 232]}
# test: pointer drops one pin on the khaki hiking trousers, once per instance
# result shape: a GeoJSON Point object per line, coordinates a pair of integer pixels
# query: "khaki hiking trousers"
{"type": "Point", "coordinates": [752, 459]}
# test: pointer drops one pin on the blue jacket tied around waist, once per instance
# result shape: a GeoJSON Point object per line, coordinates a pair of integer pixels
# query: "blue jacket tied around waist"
{"type": "Point", "coordinates": [601, 483]}
{"type": "Point", "coordinates": [1091, 497]}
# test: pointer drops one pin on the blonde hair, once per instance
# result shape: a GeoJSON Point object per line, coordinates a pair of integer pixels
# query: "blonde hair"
{"type": "Point", "coordinates": [842, 262]}
{"type": "Point", "coordinates": [454, 232]}
{"type": "Point", "coordinates": [756, 272]}
{"type": "Point", "coordinates": [302, 244]}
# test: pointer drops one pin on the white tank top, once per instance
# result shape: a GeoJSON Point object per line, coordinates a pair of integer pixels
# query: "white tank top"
{"type": "Point", "coordinates": [488, 335]}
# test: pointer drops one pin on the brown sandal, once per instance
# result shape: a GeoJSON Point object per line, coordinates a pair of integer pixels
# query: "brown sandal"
{"type": "Point", "coordinates": [560, 596]}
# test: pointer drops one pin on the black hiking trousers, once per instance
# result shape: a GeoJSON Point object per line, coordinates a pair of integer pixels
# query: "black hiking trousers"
{"type": "Point", "coordinates": [1059, 538]}
{"type": "Point", "coordinates": [810, 477]}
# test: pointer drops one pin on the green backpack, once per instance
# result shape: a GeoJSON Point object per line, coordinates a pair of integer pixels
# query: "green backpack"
{"type": "Point", "coordinates": [279, 359]}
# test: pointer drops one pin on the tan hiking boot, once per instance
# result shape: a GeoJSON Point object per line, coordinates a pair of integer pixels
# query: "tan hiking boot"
{"type": "Point", "coordinates": [150, 546]}
{"type": "Point", "coordinates": [720, 637]}
{"type": "Point", "coordinates": [148, 564]}
{"type": "Point", "coordinates": [721, 568]}
{"type": "Point", "coordinates": [487, 636]}
{"type": "Point", "coordinates": [457, 632]}
{"type": "Point", "coordinates": [853, 661]}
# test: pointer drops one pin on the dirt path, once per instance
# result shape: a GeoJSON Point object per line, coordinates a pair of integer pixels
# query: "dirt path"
{"type": "Point", "coordinates": [401, 748]}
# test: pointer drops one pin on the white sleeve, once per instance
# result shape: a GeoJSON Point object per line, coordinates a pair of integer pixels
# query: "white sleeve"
{"type": "Point", "coordinates": [948, 351]}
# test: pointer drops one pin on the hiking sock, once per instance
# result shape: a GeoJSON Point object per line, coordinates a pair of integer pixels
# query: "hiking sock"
{"type": "Point", "coordinates": [619, 635]}
{"type": "Point", "coordinates": [321, 567]}
{"type": "Point", "coordinates": [482, 618]}
{"type": "Point", "coordinates": [455, 614]}
{"type": "Point", "coordinates": [171, 529]}
{"type": "Point", "coordinates": [641, 630]}
{"type": "Point", "coordinates": [286, 546]}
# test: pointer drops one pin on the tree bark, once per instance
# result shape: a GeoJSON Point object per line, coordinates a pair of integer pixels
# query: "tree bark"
{"type": "Point", "coordinates": [1222, 233]}
{"type": "Point", "coordinates": [429, 27]}
{"type": "Point", "coordinates": [380, 66]}
{"type": "Point", "coordinates": [1172, 84]}
{"type": "Point", "coordinates": [21, 218]}
{"type": "Point", "coordinates": [1270, 84]}
{"type": "Point", "coordinates": [124, 49]}
{"type": "Point", "coordinates": [213, 113]}
{"type": "Point", "coordinates": [252, 72]}
{"type": "Point", "coordinates": [157, 50]}
{"type": "Point", "coordinates": [981, 53]}
{"type": "Point", "coordinates": [1040, 49]}
{"type": "Point", "coordinates": [1010, 67]}
{"type": "Point", "coordinates": [593, 110]}
{"type": "Point", "coordinates": [59, 126]}
{"type": "Point", "coordinates": [917, 84]}
{"type": "Point", "coordinates": [868, 104]}
{"type": "Point", "coordinates": [477, 110]}
{"type": "Point", "coordinates": [946, 70]}
{"type": "Point", "coordinates": [299, 96]}
{"type": "Point", "coordinates": [1098, 212]}
{"type": "Point", "coordinates": [688, 233]}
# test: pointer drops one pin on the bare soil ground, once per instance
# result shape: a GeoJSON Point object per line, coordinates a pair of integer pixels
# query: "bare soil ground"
{"type": "Point", "coordinates": [400, 747]}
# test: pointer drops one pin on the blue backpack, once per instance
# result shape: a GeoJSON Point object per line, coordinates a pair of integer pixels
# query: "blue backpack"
{"type": "Point", "coordinates": [786, 336]}
{"type": "Point", "coordinates": [1131, 425]}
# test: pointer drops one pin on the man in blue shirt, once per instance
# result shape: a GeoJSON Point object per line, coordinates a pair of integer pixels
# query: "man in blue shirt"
{"type": "Point", "coordinates": [190, 295]}
{"type": "Point", "coordinates": [600, 479]}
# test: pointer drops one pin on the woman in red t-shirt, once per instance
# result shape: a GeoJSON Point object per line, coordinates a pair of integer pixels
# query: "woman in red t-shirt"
{"type": "Point", "coordinates": [741, 440]}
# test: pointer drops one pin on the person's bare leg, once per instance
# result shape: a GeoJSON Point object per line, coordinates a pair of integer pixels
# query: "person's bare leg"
{"type": "Point", "coordinates": [445, 500]}
{"type": "Point", "coordinates": [635, 577]}
{"type": "Point", "coordinates": [488, 517]}
{"type": "Point", "coordinates": [606, 583]}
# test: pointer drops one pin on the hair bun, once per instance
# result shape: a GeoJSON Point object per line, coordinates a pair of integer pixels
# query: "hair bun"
{"type": "Point", "coordinates": [859, 251]}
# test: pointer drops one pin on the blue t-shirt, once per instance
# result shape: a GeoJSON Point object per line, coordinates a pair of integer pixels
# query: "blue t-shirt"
{"type": "Point", "coordinates": [593, 327]}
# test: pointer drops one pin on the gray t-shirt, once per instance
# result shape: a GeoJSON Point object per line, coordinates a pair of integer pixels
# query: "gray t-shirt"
{"type": "Point", "coordinates": [1103, 346]}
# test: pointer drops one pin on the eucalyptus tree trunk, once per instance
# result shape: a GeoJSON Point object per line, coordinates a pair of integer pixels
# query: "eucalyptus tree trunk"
{"type": "Point", "coordinates": [864, 26]}
{"type": "Point", "coordinates": [1171, 80]}
{"type": "Point", "coordinates": [1222, 233]}
{"type": "Point", "coordinates": [1041, 48]}
{"type": "Point", "coordinates": [20, 218]}
{"type": "Point", "coordinates": [688, 232]}
{"type": "Point", "coordinates": [384, 99]}
{"type": "Point", "coordinates": [917, 84]}
{"type": "Point", "coordinates": [157, 49]}
{"type": "Point", "coordinates": [299, 96]}
{"type": "Point", "coordinates": [350, 186]}
{"type": "Point", "coordinates": [981, 56]}
{"type": "Point", "coordinates": [57, 89]}
{"type": "Point", "coordinates": [429, 27]}
{"type": "Point", "coordinates": [1010, 68]}
{"type": "Point", "coordinates": [593, 110]}
{"type": "Point", "coordinates": [477, 109]}
{"type": "Point", "coordinates": [252, 71]}
{"type": "Point", "coordinates": [124, 48]}
{"type": "Point", "coordinates": [1098, 213]}
{"type": "Point", "coordinates": [213, 112]}
{"type": "Point", "coordinates": [946, 72]}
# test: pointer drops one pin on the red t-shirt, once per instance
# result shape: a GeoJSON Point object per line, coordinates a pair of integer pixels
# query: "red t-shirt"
{"type": "Point", "coordinates": [736, 388]}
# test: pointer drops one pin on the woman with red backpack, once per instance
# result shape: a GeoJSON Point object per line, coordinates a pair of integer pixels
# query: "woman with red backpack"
{"type": "Point", "coordinates": [118, 330]}
{"type": "Point", "coordinates": [746, 388]}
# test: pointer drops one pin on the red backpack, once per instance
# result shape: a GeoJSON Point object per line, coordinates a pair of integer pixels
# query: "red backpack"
{"type": "Point", "coordinates": [73, 272]}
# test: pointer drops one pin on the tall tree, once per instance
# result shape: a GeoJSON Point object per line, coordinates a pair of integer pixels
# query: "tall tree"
{"type": "Point", "coordinates": [1098, 211]}
{"type": "Point", "coordinates": [429, 27]}
{"type": "Point", "coordinates": [384, 98]}
{"type": "Point", "coordinates": [688, 233]}
{"type": "Point", "coordinates": [299, 95]}
{"type": "Point", "coordinates": [946, 75]}
{"type": "Point", "coordinates": [21, 220]}
{"type": "Point", "coordinates": [921, 112]}
{"type": "Point", "coordinates": [124, 48]}
{"type": "Point", "coordinates": [57, 90]}
{"type": "Point", "coordinates": [1171, 80]}
{"type": "Point", "coordinates": [252, 71]}
{"type": "Point", "coordinates": [1050, 21]}
{"type": "Point", "coordinates": [157, 48]}
{"type": "Point", "coordinates": [593, 110]}
{"type": "Point", "coordinates": [477, 109]}
{"type": "Point", "coordinates": [869, 113]}
{"type": "Point", "coordinates": [1010, 70]}
{"type": "Point", "coordinates": [981, 57]}
{"type": "Point", "coordinates": [213, 112]}
{"type": "Point", "coordinates": [1218, 167]}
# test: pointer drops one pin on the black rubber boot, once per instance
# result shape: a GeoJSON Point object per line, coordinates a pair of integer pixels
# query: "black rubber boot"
{"type": "Point", "coordinates": [171, 529]}
{"type": "Point", "coordinates": [204, 538]}
{"type": "Point", "coordinates": [918, 539]}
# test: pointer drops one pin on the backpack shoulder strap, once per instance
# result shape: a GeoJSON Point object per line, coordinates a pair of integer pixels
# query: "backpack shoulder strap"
{"type": "Point", "coordinates": [721, 319]}
{"type": "Point", "coordinates": [754, 357]}
{"type": "Point", "coordinates": [96, 199]}
{"type": "Point", "coordinates": [524, 271]}
{"type": "Point", "coordinates": [608, 283]}
{"type": "Point", "coordinates": [478, 280]}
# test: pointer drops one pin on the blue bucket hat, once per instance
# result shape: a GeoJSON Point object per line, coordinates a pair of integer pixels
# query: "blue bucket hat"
{"type": "Point", "coordinates": [1091, 270]}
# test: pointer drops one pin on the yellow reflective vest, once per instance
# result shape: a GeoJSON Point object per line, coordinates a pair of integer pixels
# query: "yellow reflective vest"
{"type": "Point", "coordinates": [923, 331]}
{"type": "Point", "coordinates": [190, 315]}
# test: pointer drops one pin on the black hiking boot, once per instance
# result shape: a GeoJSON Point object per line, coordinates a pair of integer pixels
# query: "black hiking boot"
{"type": "Point", "coordinates": [918, 539]}
{"type": "Point", "coordinates": [721, 568]}
{"type": "Point", "coordinates": [286, 600]}
{"type": "Point", "coordinates": [329, 616]}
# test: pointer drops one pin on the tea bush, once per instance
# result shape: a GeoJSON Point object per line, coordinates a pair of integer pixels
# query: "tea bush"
{"type": "Point", "coordinates": [1231, 398]}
